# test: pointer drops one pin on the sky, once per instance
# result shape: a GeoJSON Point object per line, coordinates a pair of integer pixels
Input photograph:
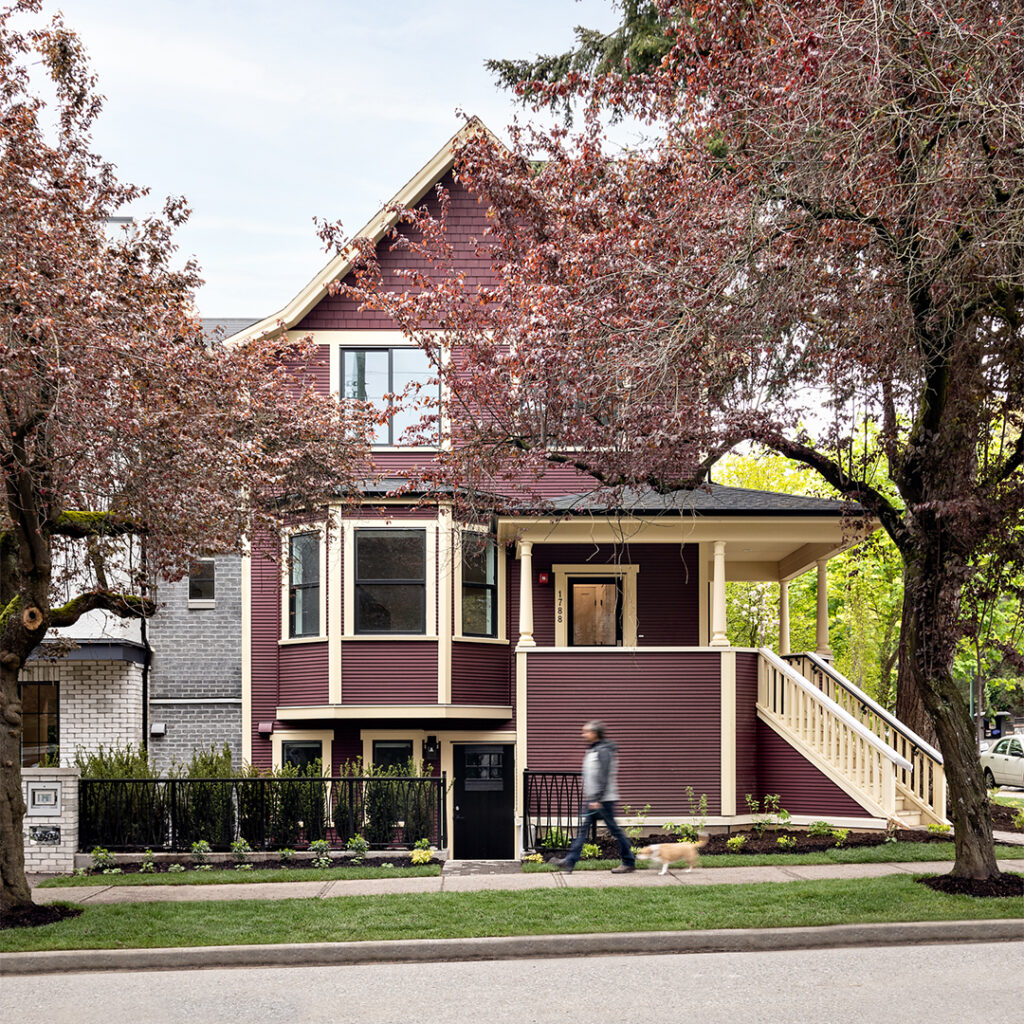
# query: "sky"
{"type": "Point", "coordinates": [266, 115]}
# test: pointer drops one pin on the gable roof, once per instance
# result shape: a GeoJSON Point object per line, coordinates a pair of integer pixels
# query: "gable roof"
{"type": "Point", "coordinates": [375, 229]}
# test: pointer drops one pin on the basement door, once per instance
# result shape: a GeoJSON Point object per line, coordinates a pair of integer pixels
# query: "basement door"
{"type": "Point", "coordinates": [484, 799]}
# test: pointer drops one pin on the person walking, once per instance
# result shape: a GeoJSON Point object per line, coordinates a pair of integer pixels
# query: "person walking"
{"type": "Point", "coordinates": [600, 791]}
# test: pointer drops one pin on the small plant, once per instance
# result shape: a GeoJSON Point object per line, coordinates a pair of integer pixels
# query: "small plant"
{"type": "Point", "coordinates": [636, 831]}
{"type": "Point", "coordinates": [841, 835]}
{"type": "Point", "coordinates": [203, 867]}
{"type": "Point", "coordinates": [1018, 818]}
{"type": "Point", "coordinates": [534, 858]}
{"type": "Point", "coordinates": [321, 850]}
{"type": "Point", "coordinates": [819, 828]}
{"type": "Point", "coordinates": [147, 867]}
{"type": "Point", "coordinates": [772, 816]}
{"type": "Point", "coordinates": [590, 851]}
{"type": "Point", "coordinates": [357, 845]}
{"type": "Point", "coordinates": [240, 849]}
{"type": "Point", "coordinates": [938, 829]}
{"type": "Point", "coordinates": [421, 856]}
{"type": "Point", "coordinates": [287, 855]}
{"type": "Point", "coordinates": [175, 869]}
{"type": "Point", "coordinates": [735, 843]}
{"type": "Point", "coordinates": [113, 871]}
{"type": "Point", "coordinates": [200, 851]}
{"type": "Point", "coordinates": [102, 859]}
{"type": "Point", "coordinates": [787, 842]}
{"type": "Point", "coordinates": [421, 844]}
{"type": "Point", "coordinates": [80, 872]}
{"type": "Point", "coordinates": [891, 828]}
{"type": "Point", "coordinates": [557, 839]}
{"type": "Point", "coordinates": [243, 867]}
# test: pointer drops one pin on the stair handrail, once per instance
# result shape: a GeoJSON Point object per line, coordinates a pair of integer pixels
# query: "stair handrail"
{"type": "Point", "coordinates": [891, 720]}
{"type": "Point", "coordinates": [841, 713]}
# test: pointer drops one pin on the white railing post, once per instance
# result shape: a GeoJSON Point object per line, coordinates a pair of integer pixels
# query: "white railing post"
{"type": "Point", "coordinates": [719, 623]}
{"type": "Point", "coordinates": [526, 594]}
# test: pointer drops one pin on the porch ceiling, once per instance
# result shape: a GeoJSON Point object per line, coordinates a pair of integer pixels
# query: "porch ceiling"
{"type": "Point", "coordinates": [420, 712]}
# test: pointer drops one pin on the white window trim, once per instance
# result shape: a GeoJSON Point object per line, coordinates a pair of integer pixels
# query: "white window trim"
{"type": "Point", "coordinates": [286, 535]}
{"type": "Point", "coordinates": [200, 604]}
{"type": "Point", "coordinates": [626, 573]}
{"type": "Point", "coordinates": [325, 736]}
{"type": "Point", "coordinates": [348, 530]}
{"type": "Point", "coordinates": [500, 569]}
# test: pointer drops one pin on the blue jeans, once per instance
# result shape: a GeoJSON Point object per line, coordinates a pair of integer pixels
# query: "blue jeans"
{"type": "Point", "coordinates": [588, 816]}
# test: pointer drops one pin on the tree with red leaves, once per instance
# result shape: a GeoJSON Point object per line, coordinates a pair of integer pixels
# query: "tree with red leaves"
{"type": "Point", "coordinates": [825, 226]}
{"type": "Point", "coordinates": [120, 426]}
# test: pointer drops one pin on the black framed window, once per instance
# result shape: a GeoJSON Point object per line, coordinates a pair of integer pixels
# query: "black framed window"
{"type": "Point", "coordinates": [202, 580]}
{"type": "Point", "coordinates": [40, 704]}
{"type": "Point", "coordinates": [306, 755]}
{"type": "Point", "coordinates": [304, 585]}
{"type": "Point", "coordinates": [485, 769]}
{"type": "Point", "coordinates": [479, 585]}
{"type": "Point", "coordinates": [595, 611]}
{"type": "Point", "coordinates": [368, 374]}
{"type": "Point", "coordinates": [392, 753]}
{"type": "Point", "coordinates": [390, 581]}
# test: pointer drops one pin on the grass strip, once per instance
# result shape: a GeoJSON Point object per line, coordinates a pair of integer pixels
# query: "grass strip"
{"type": "Point", "coordinates": [228, 876]}
{"type": "Point", "coordinates": [888, 853]}
{"type": "Point", "coordinates": [495, 913]}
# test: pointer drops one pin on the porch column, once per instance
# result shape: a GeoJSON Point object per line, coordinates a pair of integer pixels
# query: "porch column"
{"type": "Point", "coordinates": [784, 617]}
{"type": "Point", "coordinates": [718, 620]}
{"type": "Point", "coordinates": [526, 594]}
{"type": "Point", "coordinates": [823, 650]}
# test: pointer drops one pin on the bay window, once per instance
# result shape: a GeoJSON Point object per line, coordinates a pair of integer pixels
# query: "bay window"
{"type": "Point", "coordinates": [390, 581]}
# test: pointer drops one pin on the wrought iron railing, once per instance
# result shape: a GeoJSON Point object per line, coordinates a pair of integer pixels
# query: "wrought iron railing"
{"type": "Point", "coordinates": [269, 813]}
{"type": "Point", "coordinates": [551, 809]}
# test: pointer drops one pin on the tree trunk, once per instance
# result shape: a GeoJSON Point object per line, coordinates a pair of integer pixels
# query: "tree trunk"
{"type": "Point", "coordinates": [927, 652]}
{"type": "Point", "coordinates": [14, 889]}
{"type": "Point", "coordinates": [910, 708]}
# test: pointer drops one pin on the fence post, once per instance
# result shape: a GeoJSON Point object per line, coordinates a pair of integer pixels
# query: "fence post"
{"type": "Point", "coordinates": [174, 814]}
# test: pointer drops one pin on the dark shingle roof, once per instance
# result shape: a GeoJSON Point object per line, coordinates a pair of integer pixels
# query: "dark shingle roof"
{"type": "Point", "coordinates": [220, 328]}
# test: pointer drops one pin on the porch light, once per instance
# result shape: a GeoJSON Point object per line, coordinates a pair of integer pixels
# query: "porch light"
{"type": "Point", "coordinates": [430, 748]}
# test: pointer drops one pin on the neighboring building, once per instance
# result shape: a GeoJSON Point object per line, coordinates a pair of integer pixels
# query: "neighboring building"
{"type": "Point", "coordinates": [395, 633]}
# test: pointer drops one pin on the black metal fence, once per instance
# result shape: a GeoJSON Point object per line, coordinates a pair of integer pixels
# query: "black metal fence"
{"type": "Point", "coordinates": [269, 813]}
{"type": "Point", "coordinates": [551, 809]}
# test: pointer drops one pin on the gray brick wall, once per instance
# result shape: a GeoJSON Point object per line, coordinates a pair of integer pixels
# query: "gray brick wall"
{"type": "Point", "coordinates": [197, 655]}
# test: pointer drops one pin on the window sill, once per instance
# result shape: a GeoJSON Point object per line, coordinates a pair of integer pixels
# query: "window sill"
{"type": "Point", "coordinates": [388, 636]}
{"type": "Point", "coordinates": [458, 638]}
{"type": "Point", "coordinates": [201, 605]}
{"type": "Point", "coordinates": [293, 640]}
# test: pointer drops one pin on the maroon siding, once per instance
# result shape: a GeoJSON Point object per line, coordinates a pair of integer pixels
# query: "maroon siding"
{"type": "Point", "coordinates": [466, 224]}
{"type": "Point", "coordinates": [347, 746]}
{"type": "Point", "coordinates": [663, 711]}
{"type": "Point", "coordinates": [481, 674]}
{"type": "Point", "coordinates": [802, 788]}
{"type": "Point", "coordinates": [303, 674]}
{"type": "Point", "coordinates": [746, 728]}
{"type": "Point", "coordinates": [389, 672]}
{"type": "Point", "coordinates": [266, 631]}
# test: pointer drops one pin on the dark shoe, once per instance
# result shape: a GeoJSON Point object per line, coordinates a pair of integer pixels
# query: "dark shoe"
{"type": "Point", "coordinates": [562, 864]}
{"type": "Point", "coordinates": [623, 869]}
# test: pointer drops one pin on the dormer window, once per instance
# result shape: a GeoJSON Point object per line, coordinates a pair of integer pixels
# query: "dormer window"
{"type": "Point", "coordinates": [368, 374]}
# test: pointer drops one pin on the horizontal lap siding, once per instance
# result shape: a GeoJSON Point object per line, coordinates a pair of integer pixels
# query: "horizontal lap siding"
{"type": "Point", "coordinates": [389, 672]}
{"type": "Point", "coordinates": [266, 631]}
{"type": "Point", "coordinates": [802, 788]}
{"type": "Point", "coordinates": [746, 728]}
{"type": "Point", "coordinates": [481, 674]}
{"type": "Point", "coordinates": [662, 710]}
{"type": "Point", "coordinates": [303, 669]}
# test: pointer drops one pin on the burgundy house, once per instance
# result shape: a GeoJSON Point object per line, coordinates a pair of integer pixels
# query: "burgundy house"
{"type": "Point", "coordinates": [395, 632]}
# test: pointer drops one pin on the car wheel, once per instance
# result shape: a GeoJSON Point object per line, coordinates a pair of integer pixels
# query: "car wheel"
{"type": "Point", "coordinates": [990, 779]}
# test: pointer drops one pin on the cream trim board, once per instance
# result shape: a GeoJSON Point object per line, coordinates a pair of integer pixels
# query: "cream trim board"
{"type": "Point", "coordinates": [325, 736]}
{"type": "Point", "coordinates": [286, 534]}
{"type": "Point", "coordinates": [444, 608]}
{"type": "Point", "coordinates": [727, 745]}
{"type": "Point", "coordinates": [501, 570]}
{"type": "Point", "coordinates": [627, 573]}
{"type": "Point", "coordinates": [703, 594]}
{"type": "Point", "coordinates": [423, 712]}
{"type": "Point", "coordinates": [336, 602]}
{"type": "Point", "coordinates": [430, 569]}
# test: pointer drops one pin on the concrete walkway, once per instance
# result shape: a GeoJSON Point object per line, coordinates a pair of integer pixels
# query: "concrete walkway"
{"type": "Point", "coordinates": [454, 879]}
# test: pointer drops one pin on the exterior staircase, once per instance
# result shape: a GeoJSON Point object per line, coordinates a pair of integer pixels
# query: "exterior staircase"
{"type": "Point", "coordinates": [854, 741]}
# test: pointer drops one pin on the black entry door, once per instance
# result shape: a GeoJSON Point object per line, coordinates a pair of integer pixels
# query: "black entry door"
{"type": "Point", "coordinates": [484, 802]}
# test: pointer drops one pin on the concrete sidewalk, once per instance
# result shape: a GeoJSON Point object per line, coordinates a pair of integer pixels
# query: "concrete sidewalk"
{"type": "Point", "coordinates": [451, 880]}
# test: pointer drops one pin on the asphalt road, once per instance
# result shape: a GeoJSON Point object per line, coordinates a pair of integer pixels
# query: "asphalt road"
{"type": "Point", "coordinates": [931, 984]}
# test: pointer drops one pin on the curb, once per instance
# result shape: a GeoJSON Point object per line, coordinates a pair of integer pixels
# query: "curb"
{"type": "Point", "coordinates": [518, 947]}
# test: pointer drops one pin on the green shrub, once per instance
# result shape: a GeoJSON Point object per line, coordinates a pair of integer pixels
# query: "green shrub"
{"type": "Point", "coordinates": [102, 858]}
{"type": "Point", "coordinates": [287, 854]}
{"type": "Point", "coordinates": [556, 839]}
{"type": "Point", "coordinates": [786, 842]}
{"type": "Point", "coordinates": [819, 828]}
{"type": "Point", "coordinates": [591, 851]}
{"type": "Point", "coordinates": [735, 843]}
{"type": "Point", "coordinates": [772, 815]}
{"type": "Point", "coordinates": [938, 829]}
{"type": "Point", "coordinates": [420, 856]}
{"type": "Point", "coordinates": [1018, 818]}
{"type": "Point", "coordinates": [240, 849]}
{"type": "Point", "coordinates": [841, 835]}
{"type": "Point", "coordinates": [357, 846]}
{"type": "Point", "coordinates": [126, 762]}
{"type": "Point", "coordinates": [175, 869]}
{"type": "Point", "coordinates": [147, 867]}
{"type": "Point", "coordinates": [200, 851]}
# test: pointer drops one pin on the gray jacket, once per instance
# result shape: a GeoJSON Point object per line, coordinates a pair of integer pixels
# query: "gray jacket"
{"type": "Point", "coordinates": [600, 771]}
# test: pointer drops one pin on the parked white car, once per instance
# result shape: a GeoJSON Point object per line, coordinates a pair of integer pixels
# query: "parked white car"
{"type": "Point", "coordinates": [1003, 764]}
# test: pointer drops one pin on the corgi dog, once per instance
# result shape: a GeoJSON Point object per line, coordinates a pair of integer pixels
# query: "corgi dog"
{"type": "Point", "coordinates": [667, 854]}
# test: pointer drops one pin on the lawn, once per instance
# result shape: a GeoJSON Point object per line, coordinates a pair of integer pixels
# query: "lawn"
{"type": "Point", "coordinates": [887, 853]}
{"type": "Point", "coordinates": [495, 913]}
{"type": "Point", "coordinates": [228, 876]}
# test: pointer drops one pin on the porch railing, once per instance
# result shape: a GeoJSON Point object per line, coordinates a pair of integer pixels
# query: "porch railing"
{"type": "Point", "coordinates": [269, 813]}
{"type": "Point", "coordinates": [923, 785]}
{"type": "Point", "coordinates": [551, 808]}
{"type": "Point", "coordinates": [813, 719]}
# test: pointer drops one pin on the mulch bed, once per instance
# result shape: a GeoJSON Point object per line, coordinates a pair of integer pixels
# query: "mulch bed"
{"type": "Point", "coordinates": [1002, 818]}
{"type": "Point", "coordinates": [1002, 887]}
{"type": "Point", "coordinates": [35, 915]}
{"type": "Point", "coordinates": [398, 861]}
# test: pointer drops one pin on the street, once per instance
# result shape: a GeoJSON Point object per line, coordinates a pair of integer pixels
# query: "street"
{"type": "Point", "coordinates": [932, 984]}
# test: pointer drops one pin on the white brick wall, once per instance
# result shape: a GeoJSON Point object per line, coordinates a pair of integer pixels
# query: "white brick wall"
{"type": "Point", "coordinates": [44, 857]}
{"type": "Point", "coordinates": [100, 702]}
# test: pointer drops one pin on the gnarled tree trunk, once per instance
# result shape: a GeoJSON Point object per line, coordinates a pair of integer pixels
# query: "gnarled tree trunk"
{"type": "Point", "coordinates": [14, 890]}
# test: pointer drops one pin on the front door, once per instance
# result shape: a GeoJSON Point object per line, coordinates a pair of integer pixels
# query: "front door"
{"type": "Point", "coordinates": [484, 800]}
